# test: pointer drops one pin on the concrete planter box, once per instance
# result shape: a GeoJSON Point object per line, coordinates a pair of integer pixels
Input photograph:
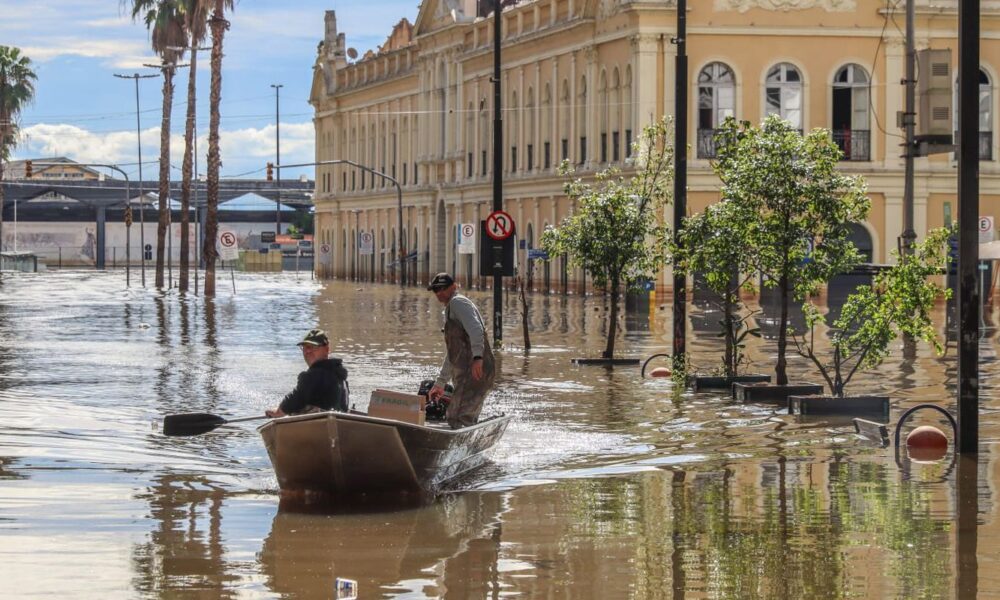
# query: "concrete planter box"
{"type": "Point", "coordinates": [711, 382]}
{"type": "Point", "coordinates": [852, 406]}
{"type": "Point", "coordinates": [766, 392]}
{"type": "Point", "coordinates": [607, 361]}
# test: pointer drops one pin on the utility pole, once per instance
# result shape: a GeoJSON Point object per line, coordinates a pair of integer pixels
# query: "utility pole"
{"type": "Point", "coordinates": [138, 138]}
{"type": "Point", "coordinates": [277, 155]}
{"type": "Point", "coordinates": [680, 180]}
{"type": "Point", "coordinates": [908, 236]}
{"type": "Point", "coordinates": [497, 176]}
{"type": "Point", "coordinates": [968, 239]}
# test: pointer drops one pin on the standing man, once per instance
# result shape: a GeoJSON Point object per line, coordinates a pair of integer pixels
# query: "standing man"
{"type": "Point", "coordinates": [469, 362]}
{"type": "Point", "coordinates": [322, 387]}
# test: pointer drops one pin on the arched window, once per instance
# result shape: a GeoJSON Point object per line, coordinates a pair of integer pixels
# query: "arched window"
{"type": "Point", "coordinates": [716, 102]}
{"type": "Point", "coordinates": [581, 120]}
{"type": "Point", "coordinates": [532, 117]}
{"type": "Point", "coordinates": [470, 139]}
{"type": "Point", "coordinates": [985, 115]}
{"type": "Point", "coordinates": [850, 112]}
{"type": "Point", "coordinates": [616, 117]}
{"type": "Point", "coordinates": [514, 131]}
{"type": "Point", "coordinates": [627, 110]}
{"type": "Point", "coordinates": [783, 94]}
{"type": "Point", "coordinates": [565, 114]}
{"type": "Point", "coordinates": [546, 125]}
{"type": "Point", "coordinates": [484, 137]}
{"type": "Point", "coordinates": [603, 115]}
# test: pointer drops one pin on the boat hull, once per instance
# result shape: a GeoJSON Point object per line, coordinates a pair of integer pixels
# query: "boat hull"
{"type": "Point", "coordinates": [348, 453]}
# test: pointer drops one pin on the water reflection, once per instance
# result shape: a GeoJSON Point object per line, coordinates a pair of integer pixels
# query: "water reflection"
{"type": "Point", "coordinates": [448, 549]}
{"type": "Point", "coordinates": [606, 485]}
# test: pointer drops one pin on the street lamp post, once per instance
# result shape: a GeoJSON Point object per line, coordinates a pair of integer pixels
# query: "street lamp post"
{"type": "Point", "coordinates": [277, 154]}
{"type": "Point", "coordinates": [392, 180]}
{"type": "Point", "coordinates": [138, 138]}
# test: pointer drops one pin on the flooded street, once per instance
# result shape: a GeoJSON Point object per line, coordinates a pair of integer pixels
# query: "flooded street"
{"type": "Point", "coordinates": [606, 485]}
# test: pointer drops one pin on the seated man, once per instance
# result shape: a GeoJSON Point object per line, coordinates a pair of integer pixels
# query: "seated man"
{"type": "Point", "coordinates": [322, 387]}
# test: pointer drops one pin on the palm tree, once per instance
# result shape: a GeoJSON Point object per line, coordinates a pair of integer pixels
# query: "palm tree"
{"type": "Point", "coordinates": [164, 19]}
{"type": "Point", "coordinates": [195, 26]}
{"type": "Point", "coordinates": [17, 89]}
{"type": "Point", "coordinates": [219, 24]}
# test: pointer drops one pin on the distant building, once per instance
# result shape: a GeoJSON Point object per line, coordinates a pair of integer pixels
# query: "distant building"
{"type": "Point", "coordinates": [581, 79]}
{"type": "Point", "coordinates": [73, 215]}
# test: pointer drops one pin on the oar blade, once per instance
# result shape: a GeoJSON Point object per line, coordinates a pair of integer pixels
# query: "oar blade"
{"type": "Point", "coordinates": [190, 424]}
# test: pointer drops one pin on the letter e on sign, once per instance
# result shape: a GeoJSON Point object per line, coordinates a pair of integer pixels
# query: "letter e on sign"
{"type": "Point", "coordinates": [985, 229]}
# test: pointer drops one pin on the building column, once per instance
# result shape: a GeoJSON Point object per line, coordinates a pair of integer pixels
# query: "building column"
{"type": "Point", "coordinates": [644, 88]}
{"type": "Point", "coordinates": [895, 71]}
{"type": "Point", "coordinates": [593, 133]}
{"type": "Point", "coordinates": [893, 223]}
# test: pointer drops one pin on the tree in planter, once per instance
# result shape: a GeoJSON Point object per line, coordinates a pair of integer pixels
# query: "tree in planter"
{"type": "Point", "coordinates": [714, 244]}
{"type": "Point", "coordinates": [615, 234]}
{"type": "Point", "coordinates": [899, 300]}
{"type": "Point", "coordinates": [803, 207]}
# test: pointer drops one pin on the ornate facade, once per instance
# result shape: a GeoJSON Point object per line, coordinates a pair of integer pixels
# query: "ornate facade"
{"type": "Point", "coordinates": [580, 80]}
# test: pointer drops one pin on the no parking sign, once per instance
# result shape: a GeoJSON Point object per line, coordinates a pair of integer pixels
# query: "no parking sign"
{"type": "Point", "coordinates": [228, 246]}
{"type": "Point", "coordinates": [467, 238]}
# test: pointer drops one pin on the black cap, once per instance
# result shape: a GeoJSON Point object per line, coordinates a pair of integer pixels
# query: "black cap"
{"type": "Point", "coordinates": [315, 337]}
{"type": "Point", "coordinates": [440, 282]}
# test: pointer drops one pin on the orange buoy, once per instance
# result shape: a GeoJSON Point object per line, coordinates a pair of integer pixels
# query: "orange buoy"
{"type": "Point", "coordinates": [660, 372]}
{"type": "Point", "coordinates": [926, 443]}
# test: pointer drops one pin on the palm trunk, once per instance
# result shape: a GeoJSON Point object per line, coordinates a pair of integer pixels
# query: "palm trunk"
{"type": "Point", "coordinates": [1, 190]}
{"type": "Point", "coordinates": [609, 350]}
{"type": "Point", "coordinates": [219, 25]}
{"type": "Point", "coordinates": [164, 206]}
{"type": "Point", "coordinates": [186, 174]}
{"type": "Point", "coordinates": [781, 378]}
{"type": "Point", "coordinates": [524, 317]}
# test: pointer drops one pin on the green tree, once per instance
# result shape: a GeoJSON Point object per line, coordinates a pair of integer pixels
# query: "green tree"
{"type": "Point", "coordinates": [803, 207]}
{"type": "Point", "coordinates": [17, 89]}
{"type": "Point", "coordinates": [899, 300]}
{"type": "Point", "coordinates": [165, 21]}
{"type": "Point", "coordinates": [218, 25]}
{"type": "Point", "coordinates": [715, 245]}
{"type": "Point", "coordinates": [615, 233]}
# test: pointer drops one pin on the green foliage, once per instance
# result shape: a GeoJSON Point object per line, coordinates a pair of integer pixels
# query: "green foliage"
{"type": "Point", "coordinates": [17, 89]}
{"type": "Point", "coordinates": [615, 233]}
{"type": "Point", "coordinates": [716, 245]}
{"type": "Point", "coordinates": [899, 300]}
{"type": "Point", "coordinates": [802, 207]}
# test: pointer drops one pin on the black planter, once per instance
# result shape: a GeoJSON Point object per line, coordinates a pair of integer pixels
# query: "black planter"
{"type": "Point", "coordinates": [766, 392]}
{"type": "Point", "coordinates": [851, 406]}
{"type": "Point", "coordinates": [607, 361]}
{"type": "Point", "coordinates": [711, 382]}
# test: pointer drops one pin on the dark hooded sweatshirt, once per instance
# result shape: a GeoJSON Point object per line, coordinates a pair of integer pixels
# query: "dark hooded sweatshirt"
{"type": "Point", "coordinates": [323, 385]}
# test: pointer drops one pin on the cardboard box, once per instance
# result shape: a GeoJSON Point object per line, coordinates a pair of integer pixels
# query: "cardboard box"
{"type": "Point", "coordinates": [398, 406]}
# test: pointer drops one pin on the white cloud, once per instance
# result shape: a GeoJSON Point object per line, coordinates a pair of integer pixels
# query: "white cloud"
{"type": "Point", "coordinates": [242, 150]}
{"type": "Point", "coordinates": [126, 54]}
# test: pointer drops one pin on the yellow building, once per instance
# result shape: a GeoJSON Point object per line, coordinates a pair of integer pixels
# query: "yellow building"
{"type": "Point", "coordinates": [580, 80]}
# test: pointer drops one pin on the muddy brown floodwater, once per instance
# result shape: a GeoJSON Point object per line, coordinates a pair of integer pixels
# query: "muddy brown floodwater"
{"type": "Point", "coordinates": [606, 485]}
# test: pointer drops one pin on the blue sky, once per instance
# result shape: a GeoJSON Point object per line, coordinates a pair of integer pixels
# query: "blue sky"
{"type": "Point", "coordinates": [83, 112]}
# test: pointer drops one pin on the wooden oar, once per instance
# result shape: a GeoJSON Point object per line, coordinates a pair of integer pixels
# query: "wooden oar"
{"type": "Point", "coordinates": [198, 423]}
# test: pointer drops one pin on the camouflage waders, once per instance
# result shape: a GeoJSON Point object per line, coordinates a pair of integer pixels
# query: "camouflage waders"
{"type": "Point", "coordinates": [467, 401]}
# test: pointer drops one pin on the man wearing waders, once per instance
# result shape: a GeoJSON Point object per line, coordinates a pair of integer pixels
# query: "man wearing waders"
{"type": "Point", "coordinates": [469, 362]}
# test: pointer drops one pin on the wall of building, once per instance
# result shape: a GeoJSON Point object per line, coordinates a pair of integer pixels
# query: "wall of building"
{"type": "Point", "coordinates": [575, 70]}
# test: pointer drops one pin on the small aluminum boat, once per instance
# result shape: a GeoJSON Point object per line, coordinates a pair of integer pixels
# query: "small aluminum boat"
{"type": "Point", "coordinates": [353, 453]}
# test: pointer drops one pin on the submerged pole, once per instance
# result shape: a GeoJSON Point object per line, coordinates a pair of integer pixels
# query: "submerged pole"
{"type": "Point", "coordinates": [968, 238]}
{"type": "Point", "coordinates": [680, 180]}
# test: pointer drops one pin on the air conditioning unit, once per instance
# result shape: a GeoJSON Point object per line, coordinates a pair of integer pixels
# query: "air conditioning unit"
{"type": "Point", "coordinates": [935, 89]}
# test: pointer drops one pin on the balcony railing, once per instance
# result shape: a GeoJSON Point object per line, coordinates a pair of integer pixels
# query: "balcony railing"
{"type": "Point", "coordinates": [854, 143]}
{"type": "Point", "coordinates": [706, 143]}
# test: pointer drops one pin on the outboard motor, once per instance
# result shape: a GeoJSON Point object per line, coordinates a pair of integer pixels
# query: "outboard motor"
{"type": "Point", "coordinates": [435, 410]}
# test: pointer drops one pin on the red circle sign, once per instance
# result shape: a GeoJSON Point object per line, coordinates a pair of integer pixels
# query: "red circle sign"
{"type": "Point", "coordinates": [499, 225]}
{"type": "Point", "coordinates": [228, 239]}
